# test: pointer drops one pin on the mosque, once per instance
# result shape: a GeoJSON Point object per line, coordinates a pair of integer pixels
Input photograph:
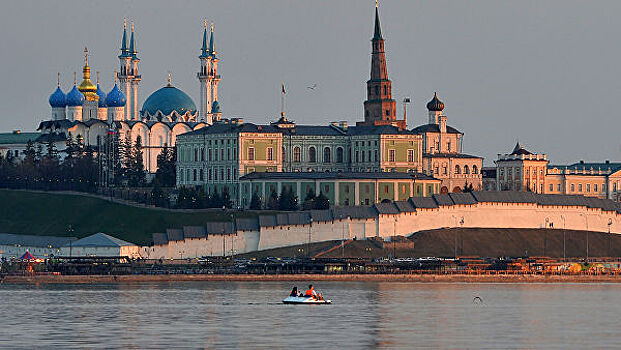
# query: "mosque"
{"type": "Point", "coordinates": [88, 112]}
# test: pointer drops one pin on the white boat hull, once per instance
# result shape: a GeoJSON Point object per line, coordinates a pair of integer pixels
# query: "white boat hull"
{"type": "Point", "coordinates": [304, 300]}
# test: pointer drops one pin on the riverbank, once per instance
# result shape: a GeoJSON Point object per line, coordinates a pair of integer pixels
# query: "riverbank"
{"type": "Point", "coordinates": [413, 278]}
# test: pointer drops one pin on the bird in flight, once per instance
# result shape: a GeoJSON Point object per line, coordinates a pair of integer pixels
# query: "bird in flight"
{"type": "Point", "coordinates": [312, 87]}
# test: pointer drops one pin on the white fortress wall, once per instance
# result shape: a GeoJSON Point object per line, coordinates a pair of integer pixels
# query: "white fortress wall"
{"type": "Point", "coordinates": [317, 226]}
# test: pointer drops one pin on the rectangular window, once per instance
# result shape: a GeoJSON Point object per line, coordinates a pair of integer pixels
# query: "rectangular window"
{"type": "Point", "coordinates": [579, 187]}
{"type": "Point", "coordinates": [551, 187]}
{"type": "Point", "coordinates": [357, 156]}
{"type": "Point", "coordinates": [410, 155]}
{"type": "Point", "coordinates": [209, 175]}
{"type": "Point", "coordinates": [228, 174]}
{"type": "Point", "coordinates": [251, 153]}
{"type": "Point", "coordinates": [270, 153]}
{"type": "Point", "coordinates": [588, 187]}
{"type": "Point", "coordinates": [558, 187]}
{"type": "Point", "coordinates": [215, 155]}
{"type": "Point", "coordinates": [209, 154]}
{"type": "Point", "coordinates": [386, 189]}
{"type": "Point", "coordinates": [391, 155]}
{"type": "Point", "coordinates": [595, 188]}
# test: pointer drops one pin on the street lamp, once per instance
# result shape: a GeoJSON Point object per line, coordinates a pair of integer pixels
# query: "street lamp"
{"type": "Point", "coordinates": [564, 256]}
{"type": "Point", "coordinates": [609, 224]}
{"type": "Point", "coordinates": [586, 221]}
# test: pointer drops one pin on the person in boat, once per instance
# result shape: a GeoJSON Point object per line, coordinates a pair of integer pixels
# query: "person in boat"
{"type": "Point", "coordinates": [311, 293]}
{"type": "Point", "coordinates": [294, 292]}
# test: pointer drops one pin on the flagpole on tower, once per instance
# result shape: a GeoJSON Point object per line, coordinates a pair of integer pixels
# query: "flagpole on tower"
{"type": "Point", "coordinates": [282, 100]}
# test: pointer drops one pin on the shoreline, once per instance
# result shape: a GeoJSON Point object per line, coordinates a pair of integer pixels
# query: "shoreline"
{"type": "Point", "coordinates": [412, 278]}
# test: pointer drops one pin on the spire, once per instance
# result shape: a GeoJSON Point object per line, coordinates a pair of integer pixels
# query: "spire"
{"type": "Point", "coordinates": [169, 80]}
{"type": "Point", "coordinates": [132, 44]}
{"type": "Point", "coordinates": [212, 50]}
{"type": "Point", "coordinates": [75, 78]}
{"type": "Point", "coordinates": [58, 82]}
{"type": "Point", "coordinates": [124, 50]}
{"type": "Point", "coordinates": [378, 29]}
{"type": "Point", "coordinates": [115, 74]}
{"type": "Point", "coordinates": [85, 56]}
{"type": "Point", "coordinates": [204, 49]}
{"type": "Point", "coordinates": [97, 77]}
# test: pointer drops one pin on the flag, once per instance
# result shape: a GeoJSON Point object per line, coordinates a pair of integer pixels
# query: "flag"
{"type": "Point", "coordinates": [111, 131]}
{"type": "Point", "coordinates": [283, 88]}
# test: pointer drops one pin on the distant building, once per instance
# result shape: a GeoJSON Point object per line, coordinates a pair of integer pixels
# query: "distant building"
{"type": "Point", "coordinates": [341, 189]}
{"type": "Point", "coordinates": [100, 244]}
{"type": "Point", "coordinates": [15, 142]}
{"type": "Point", "coordinates": [522, 170]}
{"type": "Point", "coordinates": [14, 246]}
{"type": "Point", "coordinates": [90, 114]}
{"type": "Point", "coordinates": [442, 152]}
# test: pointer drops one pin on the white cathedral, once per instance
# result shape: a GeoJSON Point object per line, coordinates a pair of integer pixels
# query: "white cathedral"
{"type": "Point", "coordinates": [87, 111]}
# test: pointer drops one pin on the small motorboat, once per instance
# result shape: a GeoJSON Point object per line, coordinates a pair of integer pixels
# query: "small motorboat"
{"type": "Point", "coordinates": [305, 300]}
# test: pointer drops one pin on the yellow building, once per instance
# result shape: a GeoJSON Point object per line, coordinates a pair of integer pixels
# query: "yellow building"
{"type": "Point", "coordinates": [522, 170]}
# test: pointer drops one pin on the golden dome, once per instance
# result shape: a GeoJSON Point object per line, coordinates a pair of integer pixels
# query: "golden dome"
{"type": "Point", "coordinates": [86, 87]}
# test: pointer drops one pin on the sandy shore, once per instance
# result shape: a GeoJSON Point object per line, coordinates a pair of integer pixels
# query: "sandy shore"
{"type": "Point", "coordinates": [48, 279]}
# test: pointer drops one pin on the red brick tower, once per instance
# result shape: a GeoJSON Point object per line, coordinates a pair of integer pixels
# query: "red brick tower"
{"type": "Point", "coordinates": [379, 108]}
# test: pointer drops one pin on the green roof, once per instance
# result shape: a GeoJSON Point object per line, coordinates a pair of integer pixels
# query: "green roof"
{"type": "Point", "coordinates": [9, 138]}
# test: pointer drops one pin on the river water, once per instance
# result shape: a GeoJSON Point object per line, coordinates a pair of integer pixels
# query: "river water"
{"type": "Point", "coordinates": [249, 315]}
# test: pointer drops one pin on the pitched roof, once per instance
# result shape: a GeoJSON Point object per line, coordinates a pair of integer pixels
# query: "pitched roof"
{"type": "Point", "coordinates": [434, 128]}
{"type": "Point", "coordinates": [450, 155]}
{"type": "Point", "coordinates": [10, 138]}
{"type": "Point", "coordinates": [100, 240]}
{"type": "Point", "coordinates": [34, 241]}
{"type": "Point", "coordinates": [314, 175]}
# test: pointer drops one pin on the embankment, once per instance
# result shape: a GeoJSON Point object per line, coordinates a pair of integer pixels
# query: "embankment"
{"type": "Point", "coordinates": [411, 278]}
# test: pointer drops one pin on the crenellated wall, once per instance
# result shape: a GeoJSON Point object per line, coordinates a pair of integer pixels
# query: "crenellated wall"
{"type": "Point", "coordinates": [391, 219]}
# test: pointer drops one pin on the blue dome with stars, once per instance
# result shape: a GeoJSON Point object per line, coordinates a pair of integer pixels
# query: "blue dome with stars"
{"type": "Point", "coordinates": [58, 98]}
{"type": "Point", "coordinates": [116, 98]}
{"type": "Point", "coordinates": [75, 97]}
{"type": "Point", "coordinates": [102, 96]}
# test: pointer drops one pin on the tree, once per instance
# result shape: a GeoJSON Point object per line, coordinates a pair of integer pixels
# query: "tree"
{"type": "Point", "coordinates": [226, 199]}
{"type": "Point", "coordinates": [287, 200]}
{"type": "Point", "coordinates": [309, 201]}
{"type": "Point", "coordinates": [467, 187]}
{"type": "Point", "coordinates": [255, 201]}
{"type": "Point", "coordinates": [158, 197]}
{"type": "Point", "coordinates": [272, 202]}
{"type": "Point", "coordinates": [136, 175]}
{"type": "Point", "coordinates": [322, 202]}
{"type": "Point", "coordinates": [166, 167]}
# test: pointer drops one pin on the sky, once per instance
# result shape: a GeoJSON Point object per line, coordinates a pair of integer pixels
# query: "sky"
{"type": "Point", "coordinates": [545, 73]}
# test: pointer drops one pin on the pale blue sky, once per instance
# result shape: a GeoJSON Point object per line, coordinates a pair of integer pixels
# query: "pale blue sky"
{"type": "Point", "coordinates": [546, 72]}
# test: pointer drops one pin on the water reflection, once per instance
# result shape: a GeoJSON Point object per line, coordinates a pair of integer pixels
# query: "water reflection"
{"type": "Point", "coordinates": [363, 315]}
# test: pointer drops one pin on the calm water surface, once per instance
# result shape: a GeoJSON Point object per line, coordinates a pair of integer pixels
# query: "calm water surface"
{"type": "Point", "coordinates": [363, 315]}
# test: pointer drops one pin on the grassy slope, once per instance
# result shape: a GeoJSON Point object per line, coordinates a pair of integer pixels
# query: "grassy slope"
{"type": "Point", "coordinates": [51, 214]}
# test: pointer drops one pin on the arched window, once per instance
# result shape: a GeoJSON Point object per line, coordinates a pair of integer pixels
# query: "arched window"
{"type": "Point", "coordinates": [339, 155]}
{"type": "Point", "coordinates": [475, 170]}
{"type": "Point", "coordinates": [327, 155]}
{"type": "Point", "coordinates": [457, 169]}
{"type": "Point", "coordinates": [296, 154]}
{"type": "Point", "coordinates": [312, 155]}
{"type": "Point", "coordinates": [466, 169]}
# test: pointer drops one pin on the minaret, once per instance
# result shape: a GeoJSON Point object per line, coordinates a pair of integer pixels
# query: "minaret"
{"type": "Point", "coordinates": [124, 74]}
{"type": "Point", "coordinates": [205, 82]}
{"type": "Point", "coordinates": [214, 77]}
{"type": "Point", "coordinates": [136, 78]}
{"type": "Point", "coordinates": [379, 108]}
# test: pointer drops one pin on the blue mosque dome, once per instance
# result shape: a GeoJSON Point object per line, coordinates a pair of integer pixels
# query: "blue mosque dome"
{"type": "Point", "coordinates": [167, 100]}
{"type": "Point", "coordinates": [75, 97]}
{"type": "Point", "coordinates": [102, 96]}
{"type": "Point", "coordinates": [58, 98]}
{"type": "Point", "coordinates": [116, 97]}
